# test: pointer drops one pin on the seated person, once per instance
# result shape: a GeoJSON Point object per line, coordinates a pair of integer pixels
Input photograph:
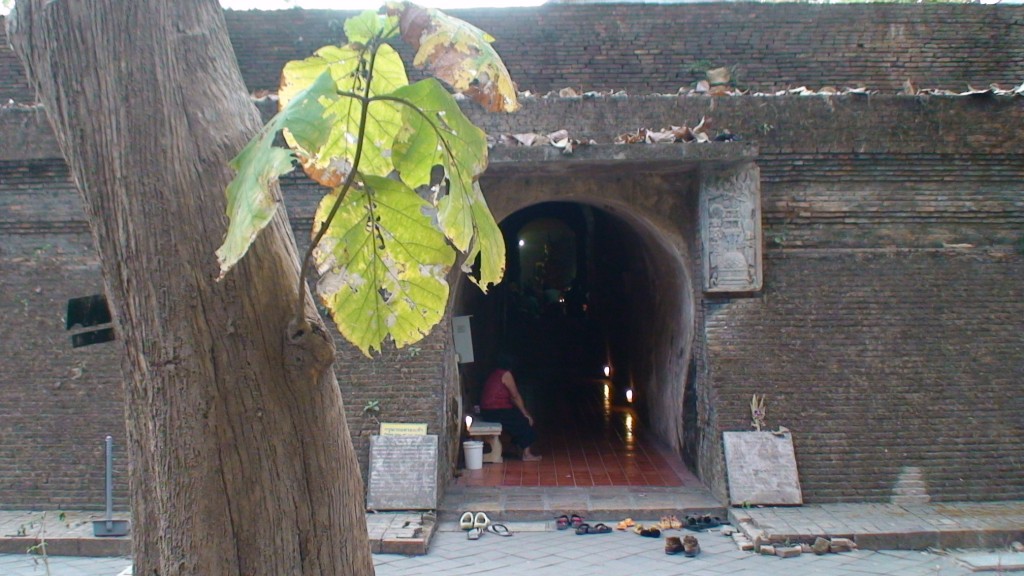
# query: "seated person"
{"type": "Point", "coordinates": [500, 402]}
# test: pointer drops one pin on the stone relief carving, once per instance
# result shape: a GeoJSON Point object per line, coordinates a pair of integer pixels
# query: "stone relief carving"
{"type": "Point", "coordinates": [730, 213]}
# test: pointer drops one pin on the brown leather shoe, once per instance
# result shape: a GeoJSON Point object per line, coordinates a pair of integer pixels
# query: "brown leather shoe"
{"type": "Point", "coordinates": [690, 546]}
{"type": "Point", "coordinates": [673, 545]}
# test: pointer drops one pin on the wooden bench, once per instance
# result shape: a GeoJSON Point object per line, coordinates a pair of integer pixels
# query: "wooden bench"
{"type": "Point", "coordinates": [489, 432]}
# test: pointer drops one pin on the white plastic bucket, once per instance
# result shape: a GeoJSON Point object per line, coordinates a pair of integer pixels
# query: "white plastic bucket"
{"type": "Point", "coordinates": [474, 450]}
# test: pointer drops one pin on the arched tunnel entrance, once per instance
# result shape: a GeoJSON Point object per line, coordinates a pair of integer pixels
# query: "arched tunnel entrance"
{"type": "Point", "coordinates": [597, 310]}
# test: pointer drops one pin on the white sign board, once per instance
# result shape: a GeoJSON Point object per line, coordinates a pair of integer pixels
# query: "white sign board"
{"type": "Point", "coordinates": [463, 338]}
{"type": "Point", "coordinates": [762, 469]}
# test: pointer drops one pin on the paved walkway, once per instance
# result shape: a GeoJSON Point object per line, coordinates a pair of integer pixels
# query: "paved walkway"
{"type": "Point", "coordinates": [890, 526]}
{"type": "Point", "coordinates": [537, 548]}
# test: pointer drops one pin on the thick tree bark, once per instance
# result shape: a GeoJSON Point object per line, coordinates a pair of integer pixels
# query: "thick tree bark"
{"type": "Point", "coordinates": [241, 462]}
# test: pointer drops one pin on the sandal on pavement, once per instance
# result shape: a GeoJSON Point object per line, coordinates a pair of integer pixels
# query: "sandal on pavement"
{"type": "Point", "coordinates": [474, 533]}
{"type": "Point", "coordinates": [576, 520]}
{"type": "Point", "coordinates": [583, 529]}
{"type": "Point", "coordinates": [600, 528]}
{"type": "Point", "coordinates": [481, 520]}
{"type": "Point", "coordinates": [466, 521]}
{"type": "Point", "coordinates": [562, 522]}
{"type": "Point", "coordinates": [499, 529]}
{"type": "Point", "coordinates": [627, 523]}
{"type": "Point", "coordinates": [652, 532]}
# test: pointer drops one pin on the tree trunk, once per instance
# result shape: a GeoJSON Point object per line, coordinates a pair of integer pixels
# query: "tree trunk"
{"type": "Point", "coordinates": [240, 457]}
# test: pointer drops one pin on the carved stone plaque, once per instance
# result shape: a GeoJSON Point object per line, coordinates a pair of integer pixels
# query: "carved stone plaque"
{"type": "Point", "coordinates": [403, 473]}
{"type": "Point", "coordinates": [730, 213]}
{"type": "Point", "coordinates": [762, 469]}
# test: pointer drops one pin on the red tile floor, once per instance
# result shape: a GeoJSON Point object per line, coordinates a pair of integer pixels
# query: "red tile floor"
{"type": "Point", "coordinates": [585, 441]}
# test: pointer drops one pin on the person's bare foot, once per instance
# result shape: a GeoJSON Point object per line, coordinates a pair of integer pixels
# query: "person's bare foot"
{"type": "Point", "coordinates": [530, 456]}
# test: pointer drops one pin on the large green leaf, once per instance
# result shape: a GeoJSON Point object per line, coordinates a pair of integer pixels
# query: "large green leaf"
{"type": "Point", "coordinates": [458, 53]}
{"type": "Point", "coordinates": [331, 161]}
{"type": "Point", "coordinates": [489, 243]}
{"type": "Point", "coordinates": [441, 134]}
{"type": "Point", "coordinates": [382, 264]}
{"type": "Point", "coordinates": [251, 202]}
{"type": "Point", "coordinates": [438, 133]}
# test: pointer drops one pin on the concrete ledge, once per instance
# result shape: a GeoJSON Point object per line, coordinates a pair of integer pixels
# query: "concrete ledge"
{"type": "Point", "coordinates": [90, 547]}
{"type": "Point", "coordinates": [888, 526]}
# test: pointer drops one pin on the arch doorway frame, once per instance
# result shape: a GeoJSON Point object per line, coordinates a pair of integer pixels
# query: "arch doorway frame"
{"type": "Point", "coordinates": [696, 205]}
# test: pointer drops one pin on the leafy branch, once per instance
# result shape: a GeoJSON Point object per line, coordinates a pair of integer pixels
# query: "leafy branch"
{"type": "Point", "coordinates": [356, 125]}
{"type": "Point", "coordinates": [300, 322]}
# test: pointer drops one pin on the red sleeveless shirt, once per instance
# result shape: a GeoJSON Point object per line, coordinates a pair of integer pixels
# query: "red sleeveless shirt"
{"type": "Point", "coordinates": [496, 395]}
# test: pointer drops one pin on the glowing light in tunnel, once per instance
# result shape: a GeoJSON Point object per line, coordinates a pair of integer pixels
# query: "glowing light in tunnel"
{"type": "Point", "coordinates": [629, 395]}
{"type": "Point", "coordinates": [469, 421]}
{"type": "Point", "coordinates": [522, 242]}
{"type": "Point", "coordinates": [607, 371]}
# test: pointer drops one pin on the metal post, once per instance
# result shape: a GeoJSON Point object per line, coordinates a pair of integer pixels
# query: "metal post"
{"type": "Point", "coordinates": [110, 483]}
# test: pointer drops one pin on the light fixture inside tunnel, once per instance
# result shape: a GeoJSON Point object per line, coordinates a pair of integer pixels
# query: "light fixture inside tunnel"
{"type": "Point", "coordinates": [607, 371]}
{"type": "Point", "coordinates": [629, 395]}
{"type": "Point", "coordinates": [469, 421]}
{"type": "Point", "coordinates": [522, 242]}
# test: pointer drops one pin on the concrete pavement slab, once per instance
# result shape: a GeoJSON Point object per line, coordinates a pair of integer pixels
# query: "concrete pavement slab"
{"type": "Point", "coordinates": [993, 561]}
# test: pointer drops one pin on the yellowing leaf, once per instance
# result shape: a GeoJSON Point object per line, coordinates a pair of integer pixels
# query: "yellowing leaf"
{"type": "Point", "coordinates": [330, 162]}
{"type": "Point", "coordinates": [458, 53]}
{"type": "Point", "coordinates": [489, 244]}
{"type": "Point", "coordinates": [440, 134]}
{"type": "Point", "coordinates": [443, 135]}
{"type": "Point", "coordinates": [251, 203]}
{"type": "Point", "coordinates": [382, 265]}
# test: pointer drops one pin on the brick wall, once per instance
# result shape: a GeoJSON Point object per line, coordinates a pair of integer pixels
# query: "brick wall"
{"type": "Point", "coordinates": [882, 359]}
{"type": "Point", "coordinates": [660, 48]}
{"type": "Point", "coordinates": [873, 334]}
{"type": "Point", "coordinates": [56, 404]}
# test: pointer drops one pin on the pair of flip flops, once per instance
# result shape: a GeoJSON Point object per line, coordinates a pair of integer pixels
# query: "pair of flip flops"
{"type": "Point", "coordinates": [470, 520]}
{"type": "Point", "coordinates": [499, 529]}
{"type": "Point", "coordinates": [670, 523]}
{"type": "Point", "coordinates": [477, 523]}
{"type": "Point", "coordinates": [598, 528]}
{"type": "Point", "coordinates": [563, 522]}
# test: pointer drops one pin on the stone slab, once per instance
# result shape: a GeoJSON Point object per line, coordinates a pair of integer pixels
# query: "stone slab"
{"type": "Point", "coordinates": [993, 561]}
{"type": "Point", "coordinates": [761, 468]}
{"type": "Point", "coordinates": [403, 473]}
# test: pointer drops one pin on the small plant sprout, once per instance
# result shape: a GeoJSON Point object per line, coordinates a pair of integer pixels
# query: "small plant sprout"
{"type": "Point", "coordinates": [758, 412]}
